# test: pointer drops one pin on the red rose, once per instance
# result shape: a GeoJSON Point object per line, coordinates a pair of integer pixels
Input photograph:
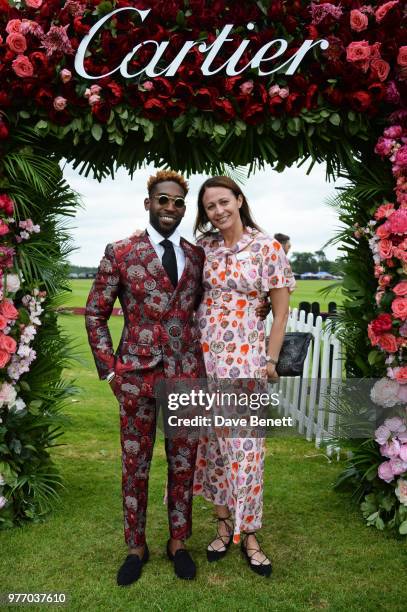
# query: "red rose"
{"type": "Point", "coordinates": [44, 98]}
{"type": "Point", "coordinates": [360, 100]}
{"type": "Point", "coordinates": [154, 109]}
{"type": "Point", "coordinates": [113, 93]}
{"type": "Point", "coordinates": [7, 204]}
{"type": "Point", "coordinates": [382, 323]}
{"type": "Point", "coordinates": [101, 111]}
{"type": "Point", "coordinates": [388, 343]}
{"type": "Point", "coordinates": [294, 104]}
{"type": "Point", "coordinates": [4, 131]}
{"type": "Point", "coordinates": [183, 91]}
{"type": "Point", "coordinates": [205, 97]}
{"type": "Point", "coordinates": [311, 99]}
{"type": "Point", "coordinates": [224, 109]}
{"type": "Point", "coordinates": [16, 42]}
{"type": "Point", "coordinates": [253, 113]}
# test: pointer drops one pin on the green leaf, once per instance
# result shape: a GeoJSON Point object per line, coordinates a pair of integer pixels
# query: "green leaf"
{"type": "Point", "coordinates": [403, 528]}
{"type": "Point", "coordinates": [335, 119]}
{"type": "Point", "coordinates": [97, 131]}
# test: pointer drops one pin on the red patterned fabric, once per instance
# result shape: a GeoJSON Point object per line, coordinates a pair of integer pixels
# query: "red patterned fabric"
{"type": "Point", "coordinates": [159, 339]}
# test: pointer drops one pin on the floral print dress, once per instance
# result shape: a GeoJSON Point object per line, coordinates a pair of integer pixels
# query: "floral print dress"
{"type": "Point", "coordinates": [229, 471]}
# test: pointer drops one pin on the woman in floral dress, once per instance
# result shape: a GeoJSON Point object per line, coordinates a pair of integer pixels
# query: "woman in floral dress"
{"type": "Point", "coordinates": [243, 265]}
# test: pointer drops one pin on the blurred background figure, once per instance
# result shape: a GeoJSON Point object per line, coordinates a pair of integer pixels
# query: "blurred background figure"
{"type": "Point", "coordinates": [284, 240]}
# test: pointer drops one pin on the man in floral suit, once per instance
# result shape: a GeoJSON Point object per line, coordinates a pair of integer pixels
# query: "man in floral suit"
{"type": "Point", "coordinates": [156, 276]}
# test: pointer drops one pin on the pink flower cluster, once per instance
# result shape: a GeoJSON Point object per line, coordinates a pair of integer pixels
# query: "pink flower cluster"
{"type": "Point", "coordinates": [365, 56]}
{"type": "Point", "coordinates": [319, 12]}
{"type": "Point", "coordinates": [28, 228]}
{"type": "Point", "coordinates": [392, 439]}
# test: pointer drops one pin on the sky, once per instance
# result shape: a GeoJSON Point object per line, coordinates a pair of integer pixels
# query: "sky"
{"type": "Point", "coordinates": [291, 203]}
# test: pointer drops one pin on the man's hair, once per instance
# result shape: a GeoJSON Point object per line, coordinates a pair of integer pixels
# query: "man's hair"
{"type": "Point", "coordinates": [282, 238]}
{"type": "Point", "coordinates": [167, 175]}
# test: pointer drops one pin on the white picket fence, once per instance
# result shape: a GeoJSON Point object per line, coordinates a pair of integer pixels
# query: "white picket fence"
{"type": "Point", "coordinates": [304, 398]}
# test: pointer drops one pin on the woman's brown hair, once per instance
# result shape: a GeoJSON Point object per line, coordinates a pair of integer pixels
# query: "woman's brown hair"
{"type": "Point", "coordinates": [202, 224]}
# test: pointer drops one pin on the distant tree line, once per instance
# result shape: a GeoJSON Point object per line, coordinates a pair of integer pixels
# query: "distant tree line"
{"type": "Point", "coordinates": [315, 262]}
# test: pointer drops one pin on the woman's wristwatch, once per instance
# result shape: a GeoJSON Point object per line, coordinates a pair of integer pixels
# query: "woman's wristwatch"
{"type": "Point", "coordinates": [271, 360]}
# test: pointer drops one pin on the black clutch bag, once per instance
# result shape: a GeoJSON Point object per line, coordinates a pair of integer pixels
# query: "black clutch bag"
{"type": "Point", "coordinates": [293, 353]}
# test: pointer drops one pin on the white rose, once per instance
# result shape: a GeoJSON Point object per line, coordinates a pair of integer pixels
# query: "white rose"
{"type": "Point", "coordinates": [13, 283]}
{"type": "Point", "coordinates": [385, 392]}
{"type": "Point", "coordinates": [401, 491]}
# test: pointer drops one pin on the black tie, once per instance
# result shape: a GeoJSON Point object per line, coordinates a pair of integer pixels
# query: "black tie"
{"type": "Point", "coordinates": [169, 261]}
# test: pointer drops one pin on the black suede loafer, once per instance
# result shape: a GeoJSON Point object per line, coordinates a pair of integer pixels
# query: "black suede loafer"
{"type": "Point", "coordinates": [130, 571]}
{"type": "Point", "coordinates": [184, 566]}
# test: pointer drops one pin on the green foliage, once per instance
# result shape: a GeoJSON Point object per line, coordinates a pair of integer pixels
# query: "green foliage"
{"type": "Point", "coordinates": [370, 184]}
{"type": "Point", "coordinates": [33, 178]}
{"type": "Point", "coordinates": [377, 500]}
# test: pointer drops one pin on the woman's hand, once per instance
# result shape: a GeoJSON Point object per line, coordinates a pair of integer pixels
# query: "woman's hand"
{"type": "Point", "coordinates": [272, 373]}
{"type": "Point", "coordinates": [263, 309]}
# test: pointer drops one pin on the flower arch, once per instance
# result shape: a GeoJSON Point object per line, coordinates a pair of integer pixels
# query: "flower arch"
{"type": "Point", "coordinates": [247, 95]}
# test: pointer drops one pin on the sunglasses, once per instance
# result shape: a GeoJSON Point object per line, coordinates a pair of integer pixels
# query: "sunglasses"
{"type": "Point", "coordinates": [163, 199]}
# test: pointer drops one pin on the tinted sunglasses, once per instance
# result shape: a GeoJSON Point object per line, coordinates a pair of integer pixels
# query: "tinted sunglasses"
{"type": "Point", "coordinates": [163, 199]}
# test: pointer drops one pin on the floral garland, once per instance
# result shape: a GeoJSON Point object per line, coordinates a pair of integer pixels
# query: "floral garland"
{"type": "Point", "coordinates": [19, 318]}
{"type": "Point", "coordinates": [363, 69]}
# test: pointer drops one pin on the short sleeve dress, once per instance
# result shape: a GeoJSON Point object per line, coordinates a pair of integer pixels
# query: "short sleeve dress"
{"type": "Point", "coordinates": [229, 471]}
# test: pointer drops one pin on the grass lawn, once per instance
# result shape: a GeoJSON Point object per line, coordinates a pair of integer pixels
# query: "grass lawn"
{"type": "Point", "coordinates": [306, 291]}
{"type": "Point", "coordinates": [324, 556]}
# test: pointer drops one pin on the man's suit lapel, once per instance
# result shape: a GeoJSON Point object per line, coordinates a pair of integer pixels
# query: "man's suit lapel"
{"type": "Point", "coordinates": [152, 263]}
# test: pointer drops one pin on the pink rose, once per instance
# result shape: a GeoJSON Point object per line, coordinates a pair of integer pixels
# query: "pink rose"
{"type": "Point", "coordinates": [382, 11]}
{"type": "Point", "coordinates": [148, 85]}
{"type": "Point", "coordinates": [16, 42]}
{"type": "Point", "coordinates": [358, 21]}
{"type": "Point", "coordinates": [383, 231]}
{"type": "Point", "coordinates": [378, 297]}
{"type": "Point", "coordinates": [4, 358]}
{"type": "Point", "coordinates": [401, 375]}
{"type": "Point", "coordinates": [358, 51]}
{"type": "Point", "coordinates": [384, 146]}
{"type": "Point", "coordinates": [23, 67]}
{"type": "Point", "coordinates": [95, 89]}
{"type": "Point", "coordinates": [385, 471]}
{"type": "Point", "coordinates": [65, 75]}
{"type": "Point", "coordinates": [7, 343]}
{"type": "Point", "coordinates": [398, 466]}
{"type": "Point", "coordinates": [284, 92]}
{"type": "Point", "coordinates": [402, 56]}
{"type": "Point", "coordinates": [246, 87]}
{"type": "Point", "coordinates": [3, 322]}
{"type": "Point", "coordinates": [385, 280]}
{"type": "Point", "coordinates": [380, 68]}
{"type": "Point", "coordinates": [399, 307]}
{"type": "Point", "coordinates": [382, 434]}
{"type": "Point", "coordinates": [395, 424]}
{"type": "Point", "coordinates": [394, 131]}
{"type": "Point", "coordinates": [4, 228]}
{"type": "Point", "coordinates": [60, 103]}
{"type": "Point", "coordinates": [390, 449]}
{"type": "Point", "coordinates": [401, 156]}
{"type": "Point", "coordinates": [385, 249]}
{"type": "Point", "coordinates": [94, 99]}
{"type": "Point", "coordinates": [403, 452]}
{"type": "Point", "coordinates": [8, 310]}
{"type": "Point", "coordinates": [33, 3]}
{"type": "Point", "coordinates": [388, 343]}
{"type": "Point", "coordinates": [384, 211]}
{"type": "Point", "coordinates": [400, 289]}
{"type": "Point", "coordinates": [13, 25]}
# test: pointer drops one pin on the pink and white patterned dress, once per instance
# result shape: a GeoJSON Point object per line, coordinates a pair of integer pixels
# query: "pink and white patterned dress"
{"type": "Point", "coordinates": [229, 471]}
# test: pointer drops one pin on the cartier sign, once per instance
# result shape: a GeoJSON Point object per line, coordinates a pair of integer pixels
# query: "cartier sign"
{"type": "Point", "coordinates": [267, 60]}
